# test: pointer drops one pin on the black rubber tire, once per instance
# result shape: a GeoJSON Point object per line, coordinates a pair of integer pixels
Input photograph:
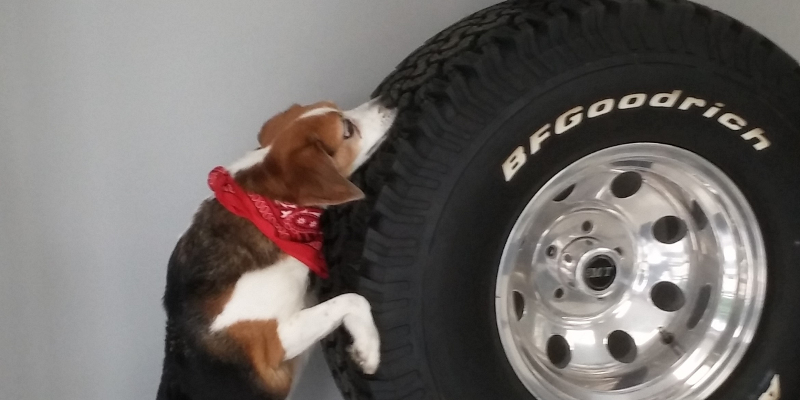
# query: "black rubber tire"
{"type": "Point", "coordinates": [424, 246]}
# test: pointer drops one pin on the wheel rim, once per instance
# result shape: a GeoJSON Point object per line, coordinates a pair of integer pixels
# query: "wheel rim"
{"type": "Point", "coordinates": [638, 272]}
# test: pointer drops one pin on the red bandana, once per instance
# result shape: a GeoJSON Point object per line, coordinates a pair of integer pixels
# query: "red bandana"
{"type": "Point", "coordinates": [293, 228]}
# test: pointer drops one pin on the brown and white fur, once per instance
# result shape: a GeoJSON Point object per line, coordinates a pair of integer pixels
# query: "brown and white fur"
{"type": "Point", "coordinates": [238, 315]}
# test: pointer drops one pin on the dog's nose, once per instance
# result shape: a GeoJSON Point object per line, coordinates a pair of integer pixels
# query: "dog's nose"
{"type": "Point", "coordinates": [387, 114]}
{"type": "Point", "coordinates": [380, 104]}
{"type": "Point", "coordinates": [381, 107]}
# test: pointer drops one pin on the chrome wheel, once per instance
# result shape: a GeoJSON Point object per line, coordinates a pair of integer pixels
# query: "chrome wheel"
{"type": "Point", "coordinates": [638, 272]}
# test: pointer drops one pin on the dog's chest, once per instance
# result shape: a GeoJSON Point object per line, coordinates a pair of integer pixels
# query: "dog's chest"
{"type": "Point", "coordinates": [273, 292]}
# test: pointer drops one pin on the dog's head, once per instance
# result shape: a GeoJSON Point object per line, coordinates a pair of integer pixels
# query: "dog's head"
{"type": "Point", "coordinates": [309, 151]}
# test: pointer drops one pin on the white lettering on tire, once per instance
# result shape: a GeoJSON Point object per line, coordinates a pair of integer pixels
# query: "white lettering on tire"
{"type": "Point", "coordinates": [732, 121]}
{"type": "Point", "coordinates": [692, 101]}
{"type": "Point", "coordinates": [537, 138]}
{"type": "Point", "coordinates": [712, 111]}
{"type": "Point", "coordinates": [632, 101]}
{"type": "Point", "coordinates": [757, 134]}
{"type": "Point", "coordinates": [601, 107]}
{"type": "Point", "coordinates": [667, 100]}
{"type": "Point", "coordinates": [514, 162]}
{"type": "Point", "coordinates": [575, 117]}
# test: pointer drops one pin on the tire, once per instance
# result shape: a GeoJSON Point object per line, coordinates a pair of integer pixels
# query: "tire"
{"type": "Point", "coordinates": [445, 191]}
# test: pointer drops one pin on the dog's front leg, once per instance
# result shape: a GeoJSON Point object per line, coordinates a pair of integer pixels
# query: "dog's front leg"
{"type": "Point", "coordinates": [301, 330]}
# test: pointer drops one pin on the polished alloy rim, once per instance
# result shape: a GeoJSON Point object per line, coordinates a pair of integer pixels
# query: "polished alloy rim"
{"type": "Point", "coordinates": [638, 272]}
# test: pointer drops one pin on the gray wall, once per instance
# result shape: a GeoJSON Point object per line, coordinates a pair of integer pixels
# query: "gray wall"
{"type": "Point", "coordinates": [111, 114]}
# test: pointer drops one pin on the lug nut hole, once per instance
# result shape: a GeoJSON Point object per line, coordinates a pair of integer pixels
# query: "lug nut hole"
{"type": "Point", "coordinates": [558, 351]}
{"type": "Point", "coordinates": [621, 346]}
{"type": "Point", "coordinates": [669, 229]}
{"type": "Point", "coordinates": [519, 304]}
{"type": "Point", "coordinates": [564, 194]}
{"type": "Point", "coordinates": [626, 184]}
{"type": "Point", "coordinates": [698, 216]}
{"type": "Point", "coordinates": [667, 296]}
{"type": "Point", "coordinates": [703, 299]}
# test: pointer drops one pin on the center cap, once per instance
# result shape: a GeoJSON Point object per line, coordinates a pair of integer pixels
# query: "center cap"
{"type": "Point", "coordinates": [600, 272]}
{"type": "Point", "coordinates": [588, 265]}
{"type": "Point", "coordinates": [596, 271]}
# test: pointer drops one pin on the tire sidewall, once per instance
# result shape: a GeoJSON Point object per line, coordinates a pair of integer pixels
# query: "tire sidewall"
{"type": "Point", "coordinates": [479, 207]}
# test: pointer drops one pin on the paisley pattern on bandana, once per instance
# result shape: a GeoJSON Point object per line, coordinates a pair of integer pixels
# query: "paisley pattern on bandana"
{"type": "Point", "coordinates": [294, 229]}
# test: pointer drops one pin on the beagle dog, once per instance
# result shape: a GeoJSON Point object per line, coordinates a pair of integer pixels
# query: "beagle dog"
{"type": "Point", "coordinates": [238, 315]}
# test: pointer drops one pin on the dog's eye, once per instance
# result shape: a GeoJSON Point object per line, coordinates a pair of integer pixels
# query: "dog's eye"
{"type": "Point", "coordinates": [350, 128]}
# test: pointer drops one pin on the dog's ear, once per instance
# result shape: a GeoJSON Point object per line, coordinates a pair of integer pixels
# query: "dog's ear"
{"type": "Point", "coordinates": [278, 124]}
{"type": "Point", "coordinates": [281, 121]}
{"type": "Point", "coordinates": [317, 181]}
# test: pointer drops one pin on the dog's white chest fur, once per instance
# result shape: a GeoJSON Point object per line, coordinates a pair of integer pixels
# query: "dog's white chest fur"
{"type": "Point", "coordinates": [274, 292]}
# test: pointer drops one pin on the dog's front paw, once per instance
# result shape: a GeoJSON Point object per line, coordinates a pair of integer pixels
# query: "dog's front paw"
{"type": "Point", "coordinates": [366, 347]}
{"type": "Point", "coordinates": [366, 352]}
